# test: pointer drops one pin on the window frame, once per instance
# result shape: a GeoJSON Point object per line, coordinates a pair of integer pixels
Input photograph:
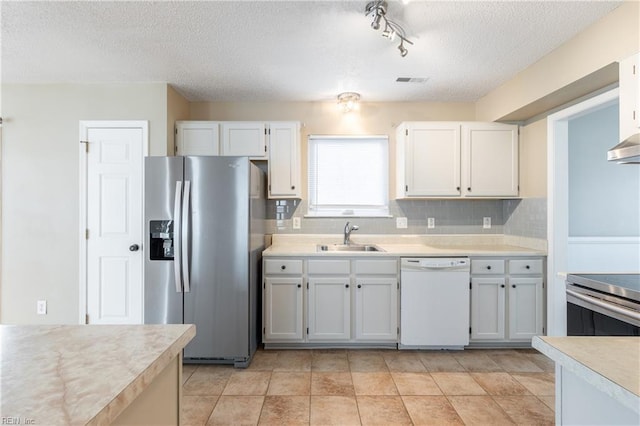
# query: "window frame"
{"type": "Point", "coordinates": [316, 210]}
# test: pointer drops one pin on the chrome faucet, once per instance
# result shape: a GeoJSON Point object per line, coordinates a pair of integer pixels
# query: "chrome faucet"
{"type": "Point", "coordinates": [347, 233]}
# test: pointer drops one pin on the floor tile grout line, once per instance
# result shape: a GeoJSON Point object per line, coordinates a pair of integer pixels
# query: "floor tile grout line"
{"type": "Point", "coordinates": [468, 371]}
{"type": "Point", "coordinates": [503, 410]}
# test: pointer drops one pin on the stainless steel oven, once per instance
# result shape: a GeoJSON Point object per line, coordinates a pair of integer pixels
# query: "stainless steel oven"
{"type": "Point", "coordinates": [603, 305]}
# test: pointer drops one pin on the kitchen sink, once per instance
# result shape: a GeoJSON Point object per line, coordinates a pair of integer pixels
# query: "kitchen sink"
{"type": "Point", "coordinates": [347, 247]}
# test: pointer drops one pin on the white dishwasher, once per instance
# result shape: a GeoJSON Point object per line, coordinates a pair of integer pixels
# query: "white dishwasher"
{"type": "Point", "coordinates": [434, 303]}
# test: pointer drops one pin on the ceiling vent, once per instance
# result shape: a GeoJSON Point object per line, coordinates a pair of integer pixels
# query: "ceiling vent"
{"type": "Point", "coordinates": [412, 79]}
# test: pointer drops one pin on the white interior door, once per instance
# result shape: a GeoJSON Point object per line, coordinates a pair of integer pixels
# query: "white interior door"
{"type": "Point", "coordinates": [114, 220]}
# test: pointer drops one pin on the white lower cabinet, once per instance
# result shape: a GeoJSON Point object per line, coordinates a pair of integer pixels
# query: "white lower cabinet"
{"type": "Point", "coordinates": [506, 303]}
{"type": "Point", "coordinates": [376, 309]}
{"type": "Point", "coordinates": [525, 308]}
{"type": "Point", "coordinates": [488, 308]}
{"type": "Point", "coordinates": [341, 301]}
{"type": "Point", "coordinates": [355, 301]}
{"type": "Point", "coordinates": [329, 308]}
{"type": "Point", "coordinates": [283, 301]}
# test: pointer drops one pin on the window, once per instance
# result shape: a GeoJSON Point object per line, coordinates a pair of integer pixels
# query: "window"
{"type": "Point", "coordinates": [348, 176]}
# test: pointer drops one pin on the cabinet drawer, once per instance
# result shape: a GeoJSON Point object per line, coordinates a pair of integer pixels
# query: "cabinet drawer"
{"type": "Point", "coordinates": [283, 266]}
{"type": "Point", "coordinates": [373, 266]}
{"type": "Point", "coordinates": [490, 266]}
{"type": "Point", "coordinates": [525, 266]}
{"type": "Point", "coordinates": [328, 267]}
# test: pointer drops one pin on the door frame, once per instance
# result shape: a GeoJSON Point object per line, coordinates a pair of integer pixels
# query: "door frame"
{"type": "Point", "coordinates": [558, 205]}
{"type": "Point", "coordinates": [84, 126]}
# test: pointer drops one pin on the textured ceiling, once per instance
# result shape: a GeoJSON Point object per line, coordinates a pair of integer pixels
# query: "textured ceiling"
{"type": "Point", "coordinates": [286, 50]}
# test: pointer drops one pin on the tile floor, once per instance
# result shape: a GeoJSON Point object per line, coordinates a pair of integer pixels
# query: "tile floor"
{"type": "Point", "coordinates": [351, 387]}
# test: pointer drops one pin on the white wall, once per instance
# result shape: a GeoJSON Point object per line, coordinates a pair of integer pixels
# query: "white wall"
{"type": "Point", "coordinates": [604, 197]}
{"type": "Point", "coordinates": [40, 207]}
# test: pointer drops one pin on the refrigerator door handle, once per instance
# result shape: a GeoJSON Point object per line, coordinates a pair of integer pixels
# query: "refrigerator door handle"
{"type": "Point", "coordinates": [177, 229]}
{"type": "Point", "coordinates": [185, 235]}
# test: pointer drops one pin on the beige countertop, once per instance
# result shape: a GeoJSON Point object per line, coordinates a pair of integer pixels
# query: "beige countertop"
{"type": "Point", "coordinates": [611, 364]}
{"type": "Point", "coordinates": [405, 245]}
{"type": "Point", "coordinates": [81, 374]}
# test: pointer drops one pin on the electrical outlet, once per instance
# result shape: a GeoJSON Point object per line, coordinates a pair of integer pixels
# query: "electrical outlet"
{"type": "Point", "coordinates": [401, 222]}
{"type": "Point", "coordinates": [296, 223]}
{"type": "Point", "coordinates": [431, 222]}
{"type": "Point", "coordinates": [41, 307]}
{"type": "Point", "coordinates": [486, 222]}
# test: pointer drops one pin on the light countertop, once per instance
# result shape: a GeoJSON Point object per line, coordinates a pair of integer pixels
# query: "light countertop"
{"type": "Point", "coordinates": [405, 245]}
{"type": "Point", "coordinates": [81, 374]}
{"type": "Point", "coordinates": [611, 364]}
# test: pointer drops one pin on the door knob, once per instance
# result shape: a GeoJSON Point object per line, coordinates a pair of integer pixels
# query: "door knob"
{"type": "Point", "coordinates": [134, 247]}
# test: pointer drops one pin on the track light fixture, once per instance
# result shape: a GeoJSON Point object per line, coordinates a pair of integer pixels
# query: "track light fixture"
{"type": "Point", "coordinates": [378, 10]}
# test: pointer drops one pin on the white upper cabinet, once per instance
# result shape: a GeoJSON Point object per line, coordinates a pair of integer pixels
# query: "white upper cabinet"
{"type": "Point", "coordinates": [455, 159]}
{"type": "Point", "coordinates": [490, 160]}
{"type": "Point", "coordinates": [244, 138]}
{"type": "Point", "coordinates": [284, 160]}
{"type": "Point", "coordinates": [629, 96]}
{"type": "Point", "coordinates": [197, 138]}
{"type": "Point", "coordinates": [275, 141]}
{"type": "Point", "coordinates": [431, 162]}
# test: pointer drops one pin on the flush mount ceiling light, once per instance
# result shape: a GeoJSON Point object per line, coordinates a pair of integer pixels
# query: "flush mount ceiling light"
{"type": "Point", "coordinates": [348, 101]}
{"type": "Point", "coordinates": [378, 10]}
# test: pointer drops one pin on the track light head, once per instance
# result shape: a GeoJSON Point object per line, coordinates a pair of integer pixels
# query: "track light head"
{"type": "Point", "coordinates": [402, 49]}
{"type": "Point", "coordinates": [375, 24]}
{"type": "Point", "coordinates": [378, 9]}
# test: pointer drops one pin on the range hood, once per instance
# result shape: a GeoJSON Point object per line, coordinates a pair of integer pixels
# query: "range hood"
{"type": "Point", "coordinates": [627, 151]}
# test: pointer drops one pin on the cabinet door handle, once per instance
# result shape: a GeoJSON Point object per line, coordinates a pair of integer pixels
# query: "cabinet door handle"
{"type": "Point", "coordinates": [293, 187]}
{"type": "Point", "coordinates": [528, 267]}
{"type": "Point", "coordinates": [283, 267]}
{"type": "Point", "coordinates": [299, 285]}
{"type": "Point", "coordinates": [346, 286]}
{"type": "Point", "coordinates": [489, 267]}
{"type": "Point", "coordinates": [501, 285]}
{"type": "Point", "coordinates": [359, 285]}
{"type": "Point", "coordinates": [513, 285]}
{"type": "Point", "coordinates": [457, 188]}
{"type": "Point", "coordinates": [469, 189]}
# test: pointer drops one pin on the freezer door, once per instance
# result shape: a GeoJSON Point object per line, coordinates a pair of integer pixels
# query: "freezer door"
{"type": "Point", "coordinates": [162, 295]}
{"type": "Point", "coordinates": [218, 298]}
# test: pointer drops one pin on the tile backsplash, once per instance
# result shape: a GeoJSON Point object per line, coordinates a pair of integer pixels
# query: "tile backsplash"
{"type": "Point", "coordinates": [451, 217]}
{"type": "Point", "coordinates": [524, 217]}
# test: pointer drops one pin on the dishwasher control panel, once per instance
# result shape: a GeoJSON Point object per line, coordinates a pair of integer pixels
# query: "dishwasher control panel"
{"type": "Point", "coordinates": [435, 263]}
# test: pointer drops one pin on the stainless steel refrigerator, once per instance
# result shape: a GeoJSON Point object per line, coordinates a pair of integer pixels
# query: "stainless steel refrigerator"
{"type": "Point", "coordinates": [204, 223]}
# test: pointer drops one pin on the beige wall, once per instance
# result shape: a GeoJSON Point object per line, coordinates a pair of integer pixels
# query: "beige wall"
{"type": "Point", "coordinates": [533, 160]}
{"type": "Point", "coordinates": [612, 38]}
{"type": "Point", "coordinates": [326, 118]}
{"type": "Point", "coordinates": [40, 192]}
{"type": "Point", "coordinates": [177, 109]}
